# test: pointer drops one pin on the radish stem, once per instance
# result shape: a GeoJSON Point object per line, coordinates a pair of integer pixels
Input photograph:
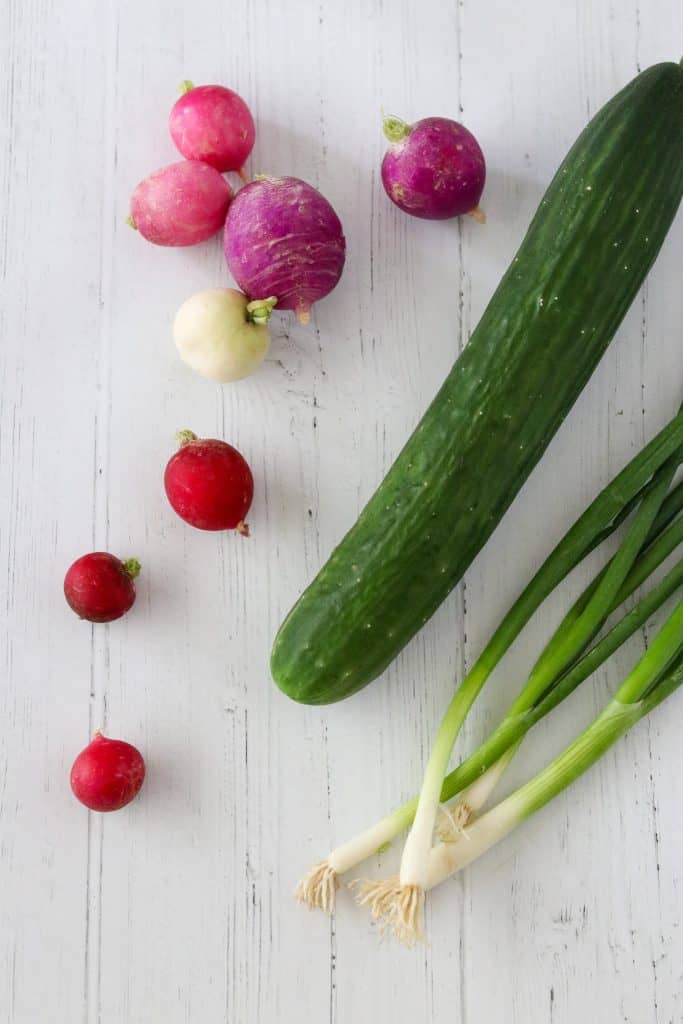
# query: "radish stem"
{"type": "Point", "coordinates": [259, 310]}
{"type": "Point", "coordinates": [131, 567]}
{"type": "Point", "coordinates": [395, 129]}
{"type": "Point", "coordinates": [185, 436]}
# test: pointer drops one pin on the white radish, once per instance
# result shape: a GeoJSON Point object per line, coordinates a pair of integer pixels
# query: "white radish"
{"type": "Point", "coordinates": [221, 334]}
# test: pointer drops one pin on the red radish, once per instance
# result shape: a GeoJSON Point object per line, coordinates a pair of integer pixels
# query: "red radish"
{"type": "Point", "coordinates": [99, 587]}
{"type": "Point", "coordinates": [108, 774]}
{"type": "Point", "coordinates": [282, 238]}
{"type": "Point", "coordinates": [433, 169]}
{"type": "Point", "coordinates": [212, 124]}
{"type": "Point", "coordinates": [181, 204]}
{"type": "Point", "coordinates": [209, 484]}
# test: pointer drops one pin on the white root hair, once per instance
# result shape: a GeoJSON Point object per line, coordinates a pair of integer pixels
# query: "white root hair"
{"type": "Point", "coordinates": [397, 909]}
{"type": "Point", "coordinates": [318, 889]}
{"type": "Point", "coordinates": [451, 822]}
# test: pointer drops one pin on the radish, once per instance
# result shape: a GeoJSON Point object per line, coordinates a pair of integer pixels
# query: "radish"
{"type": "Point", "coordinates": [283, 238]}
{"type": "Point", "coordinates": [209, 484]}
{"type": "Point", "coordinates": [108, 774]}
{"type": "Point", "coordinates": [181, 204]}
{"type": "Point", "coordinates": [99, 587]}
{"type": "Point", "coordinates": [222, 335]}
{"type": "Point", "coordinates": [433, 169]}
{"type": "Point", "coordinates": [212, 124]}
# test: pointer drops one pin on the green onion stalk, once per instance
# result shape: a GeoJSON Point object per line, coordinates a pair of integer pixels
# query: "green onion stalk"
{"type": "Point", "coordinates": [641, 692]}
{"type": "Point", "coordinates": [656, 676]}
{"type": "Point", "coordinates": [402, 904]}
{"type": "Point", "coordinates": [475, 779]}
{"type": "Point", "coordinates": [646, 478]}
{"type": "Point", "coordinates": [567, 645]}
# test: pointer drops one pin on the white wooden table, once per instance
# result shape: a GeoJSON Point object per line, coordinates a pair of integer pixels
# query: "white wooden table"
{"type": "Point", "coordinates": [180, 908]}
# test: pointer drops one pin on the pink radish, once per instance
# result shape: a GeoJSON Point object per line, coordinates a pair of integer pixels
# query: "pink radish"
{"type": "Point", "coordinates": [212, 124]}
{"type": "Point", "coordinates": [283, 239]}
{"type": "Point", "coordinates": [433, 169]}
{"type": "Point", "coordinates": [108, 774]}
{"type": "Point", "coordinates": [181, 204]}
{"type": "Point", "coordinates": [99, 587]}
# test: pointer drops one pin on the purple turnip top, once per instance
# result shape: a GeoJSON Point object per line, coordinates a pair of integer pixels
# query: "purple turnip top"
{"type": "Point", "coordinates": [283, 238]}
{"type": "Point", "coordinates": [434, 169]}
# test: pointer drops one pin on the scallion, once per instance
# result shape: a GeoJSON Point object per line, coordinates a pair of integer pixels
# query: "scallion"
{"type": "Point", "coordinates": [646, 475]}
{"type": "Point", "coordinates": [403, 903]}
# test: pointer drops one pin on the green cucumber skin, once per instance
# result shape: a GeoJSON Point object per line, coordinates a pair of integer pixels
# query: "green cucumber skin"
{"type": "Point", "coordinates": [591, 243]}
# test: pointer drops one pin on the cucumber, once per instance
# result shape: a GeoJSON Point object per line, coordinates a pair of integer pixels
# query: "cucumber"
{"type": "Point", "coordinates": [593, 239]}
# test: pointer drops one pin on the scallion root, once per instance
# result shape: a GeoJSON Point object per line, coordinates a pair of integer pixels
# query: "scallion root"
{"type": "Point", "coordinates": [451, 822]}
{"type": "Point", "coordinates": [318, 889]}
{"type": "Point", "coordinates": [397, 909]}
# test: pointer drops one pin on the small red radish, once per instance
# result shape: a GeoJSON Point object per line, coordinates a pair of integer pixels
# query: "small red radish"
{"type": "Point", "coordinates": [108, 774]}
{"type": "Point", "coordinates": [99, 587]}
{"type": "Point", "coordinates": [182, 204]}
{"type": "Point", "coordinates": [209, 484]}
{"type": "Point", "coordinates": [434, 169]}
{"type": "Point", "coordinates": [283, 238]}
{"type": "Point", "coordinates": [213, 124]}
{"type": "Point", "coordinates": [221, 334]}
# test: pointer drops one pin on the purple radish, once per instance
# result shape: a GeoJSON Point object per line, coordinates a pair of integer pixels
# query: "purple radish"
{"type": "Point", "coordinates": [213, 124]}
{"type": "Point", "coordinates": [434, 169]}
{"type": "Point", "coordinates": [282, 238]}
{"type": "Point", "coordinates": [181, 204]}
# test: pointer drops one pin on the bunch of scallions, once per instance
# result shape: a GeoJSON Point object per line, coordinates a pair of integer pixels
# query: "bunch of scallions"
{"type": "Point", "coordinates": [450, 806]}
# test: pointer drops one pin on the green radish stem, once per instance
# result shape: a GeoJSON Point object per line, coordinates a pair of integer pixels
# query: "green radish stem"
{"type": "Point", "coordinates": [395, 129]}
{"type": "Point", "coordinates": [259, 310]}
{"type": "Point", "coordinates": [565, 646]}
{"type": "Point", "coordinates": [185, 436]}
{"type": "Point", "coordinates": [132, 567]}
{"type": "Point", "coordinates": [643, 689]}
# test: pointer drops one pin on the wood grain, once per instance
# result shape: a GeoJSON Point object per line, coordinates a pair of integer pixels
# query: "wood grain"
{"type": "Point", "coordinates": [180, 908]}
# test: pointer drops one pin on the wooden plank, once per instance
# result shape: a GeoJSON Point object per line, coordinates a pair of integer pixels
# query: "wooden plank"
{"type": "Point", "coordinates": [51, 371]}
{"type": "Point", "coordinates": [180, 908]}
